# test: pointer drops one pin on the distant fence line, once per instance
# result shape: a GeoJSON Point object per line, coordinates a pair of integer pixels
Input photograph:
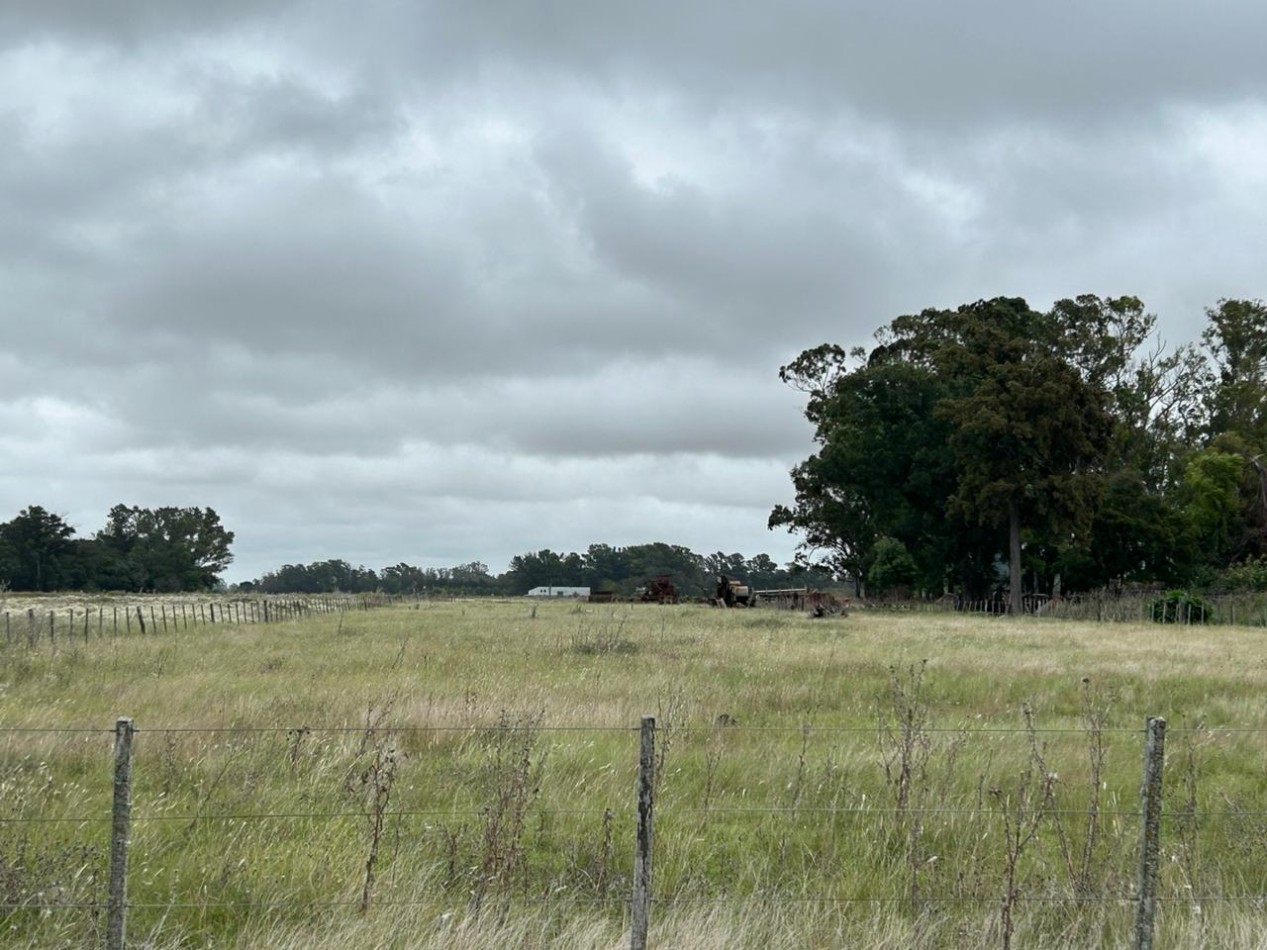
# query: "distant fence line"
{"type": "Point", "coordinates": [71, 622]}
{"type": "Point", "coordinates": [639, 901]}
{"type": "Point", "coordinates": [1245, 609]}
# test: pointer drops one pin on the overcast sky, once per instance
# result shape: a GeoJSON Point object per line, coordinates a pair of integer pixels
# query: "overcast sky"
{"type": "Point", "coordinates": [438, 282]}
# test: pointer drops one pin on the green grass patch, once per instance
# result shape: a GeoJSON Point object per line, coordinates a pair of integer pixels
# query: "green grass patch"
{"type": "Point", "coordinates": [463, 774]}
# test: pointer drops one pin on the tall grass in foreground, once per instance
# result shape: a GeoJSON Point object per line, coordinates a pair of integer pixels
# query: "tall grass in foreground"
{"type": "Point", "coordinates": [462, 775]}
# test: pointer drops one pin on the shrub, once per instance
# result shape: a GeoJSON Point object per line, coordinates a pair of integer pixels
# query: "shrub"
{"type": "Point", "coordinates": [1249, 575]}
{"type": "Point", "coordinates": [1178, 606]}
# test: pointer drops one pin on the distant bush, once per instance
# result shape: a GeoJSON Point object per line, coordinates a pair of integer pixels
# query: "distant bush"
{"type": "Point", "coordinates": [1178, 606]}
{"type": "Point", "coordinates": [1249, 575]}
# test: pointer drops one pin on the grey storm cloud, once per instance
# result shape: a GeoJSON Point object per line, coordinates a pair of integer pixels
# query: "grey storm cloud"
{"type": "Point", "coordinates": [447, 281]}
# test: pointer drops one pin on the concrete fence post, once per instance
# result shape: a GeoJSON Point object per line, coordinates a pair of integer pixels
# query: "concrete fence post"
{"type": "Point", "coordinates": [1150, 833]}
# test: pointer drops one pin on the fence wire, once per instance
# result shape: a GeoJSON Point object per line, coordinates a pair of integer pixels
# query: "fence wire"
{"type": "Point", "coordinates": [701, 784]}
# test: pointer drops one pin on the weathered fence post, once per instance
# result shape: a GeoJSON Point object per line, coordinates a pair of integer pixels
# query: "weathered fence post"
{"type": "Point", "coordinates": [1150, 832]}
{"type": "Point", "coordinates": [640, 910]}
{"type": "Point", "coordinates": [120, 830]}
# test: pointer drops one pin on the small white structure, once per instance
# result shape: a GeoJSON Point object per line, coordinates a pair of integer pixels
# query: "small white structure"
{"type": "Point", "coordinates": [559, 592]}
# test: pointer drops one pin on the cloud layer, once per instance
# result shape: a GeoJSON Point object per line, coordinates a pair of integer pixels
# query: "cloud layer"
{"type": "Point", "coordinates": [445, 282]}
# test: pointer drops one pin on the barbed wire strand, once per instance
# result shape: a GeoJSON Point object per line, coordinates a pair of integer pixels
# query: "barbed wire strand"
{"type": "Point", "coordinates": [1259, 899]}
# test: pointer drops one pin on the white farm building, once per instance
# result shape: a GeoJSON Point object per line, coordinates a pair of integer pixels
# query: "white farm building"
{"type": "Point", "coordinates": [559, 592]}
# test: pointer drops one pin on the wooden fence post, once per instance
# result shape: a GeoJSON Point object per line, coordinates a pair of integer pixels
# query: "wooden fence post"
{"type": "Point", "coordinates": [1150, 833]}
{"type": "Point", "coordinates": [640, 910]}
{"type": "Point", "coordinates": [121, 827]}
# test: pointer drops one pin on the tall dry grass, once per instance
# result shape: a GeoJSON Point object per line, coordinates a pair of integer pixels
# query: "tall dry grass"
{"type": "Point", "coordinates": [462, 774]}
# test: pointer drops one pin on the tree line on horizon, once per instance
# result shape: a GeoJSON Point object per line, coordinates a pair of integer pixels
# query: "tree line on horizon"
{"type": "Point", "coordinates": [601, 567]}
{"type": "Point", "coordinates": [994, 450]}
{"type": "Point", "coordinates": [170, 550]}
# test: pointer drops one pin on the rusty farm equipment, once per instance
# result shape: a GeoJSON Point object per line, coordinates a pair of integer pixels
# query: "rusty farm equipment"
{"type": "Point", "coordinates": [659, 590]}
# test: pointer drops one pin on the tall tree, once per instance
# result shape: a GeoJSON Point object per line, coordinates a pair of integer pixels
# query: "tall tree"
{"type": "Point", "coordinates": [168, 549]}
{"type": "Point", "coordinates": [35, 550]}
{"type": "Point", "coordinates": [882, 467]}
{"type": "Point", "coordinates": [1236, 339]}
{"type": "Point", "coordinates": [960, 424]}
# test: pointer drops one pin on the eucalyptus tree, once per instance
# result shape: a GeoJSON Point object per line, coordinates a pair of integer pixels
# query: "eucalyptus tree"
{"type": "Point", "coordinates": [960, 433]}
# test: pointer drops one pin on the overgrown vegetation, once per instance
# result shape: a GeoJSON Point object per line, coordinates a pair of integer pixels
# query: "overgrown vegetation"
{"type": "Point", "coordinates": [1179, 606]}
{"type": "Point", "coordinates": [463, 774]}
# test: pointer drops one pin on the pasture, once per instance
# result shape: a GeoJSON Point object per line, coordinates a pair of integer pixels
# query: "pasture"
{"type": "Point", "coordinates": [463, 773]}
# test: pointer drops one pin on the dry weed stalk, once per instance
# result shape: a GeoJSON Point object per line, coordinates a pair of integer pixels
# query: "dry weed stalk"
{"type": "Point", "coordinates": [905, 751]}
{"type": "Point", "coordinates": [371, 787]}
{"type": "Point", "coordinates": [1080, 864]}
{"type": "Point", "coordinates": [672, 714]}
{"type": "Point", "coordinates": [514, 780]}
{"type": "Point", "coordinates": [1022, 812]}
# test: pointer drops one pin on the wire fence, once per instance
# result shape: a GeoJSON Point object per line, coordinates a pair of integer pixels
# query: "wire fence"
{"type": "Point", "coordinates": [1247, 608]}
{"type": "Point", "coordinates": [204, 829]}
{"type": "Point", "coordinates": [157, 615]}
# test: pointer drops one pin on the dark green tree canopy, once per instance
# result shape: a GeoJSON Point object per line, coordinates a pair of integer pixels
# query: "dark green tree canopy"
{"type": "Point", "coordinates": [166, 549]}
{"type": "Point", "coordinates": [35, 550]}
{"type": "Point", "coordinates": [139, 549]}
{"type": "Point", "coordinates": [993, 437]}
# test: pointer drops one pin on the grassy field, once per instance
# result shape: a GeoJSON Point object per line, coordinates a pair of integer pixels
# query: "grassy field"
{"type": "Point", "coordinates": [462, 774]}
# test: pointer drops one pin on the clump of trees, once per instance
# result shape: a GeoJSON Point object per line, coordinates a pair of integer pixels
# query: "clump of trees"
{"type": "Point", "coordinates": [139, 549]}
{"type": "Point", "coordinates": [996, 447]}
{"type": "Point", "coordinates": [321, 577]}
{"type": "Point", "coordinates": [623, 569]}
{"type": "Point", "coordinates": [188, 549]}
